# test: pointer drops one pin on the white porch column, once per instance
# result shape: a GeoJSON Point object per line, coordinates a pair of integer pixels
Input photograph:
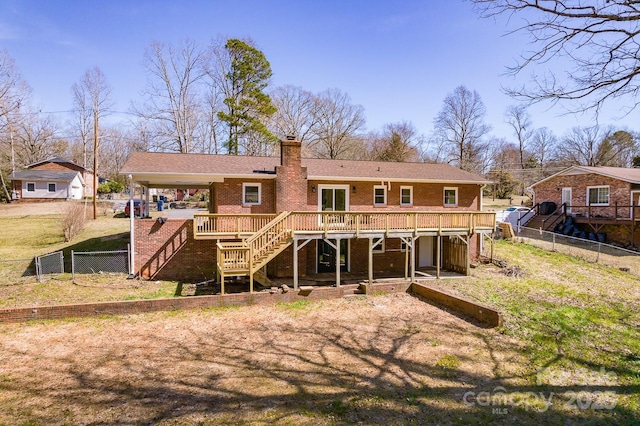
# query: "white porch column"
{"type": "Point", "coordinates": [132, 262]}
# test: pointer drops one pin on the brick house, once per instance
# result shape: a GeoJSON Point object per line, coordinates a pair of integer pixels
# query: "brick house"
{"type": "Point", "coordinates": [292, 216]}
{"type": "Point", "coordinates": [53, 179]}
{"type": "Point", "coordinates": [599, 199]}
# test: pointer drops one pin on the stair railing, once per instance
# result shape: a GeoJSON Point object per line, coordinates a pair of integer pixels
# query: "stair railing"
{"type": "Point", "coordinates": [559, 213]}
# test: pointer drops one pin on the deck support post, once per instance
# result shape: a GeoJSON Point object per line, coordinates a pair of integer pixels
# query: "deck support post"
{"type": "Point", "coordinates": [413, 259]}
{"type": "Point", "coordinates": [438, 248]}
{"type": "Point", "coordinates": [295, 264]}
{"type": "Point", "coordinates": [221, 282]}
{"type": "Point", "coordinates": [370, 261]}
{"type": "Point", "coordinates": [468, 261]}
{"type": "Point", "coordinates": [337, 262]}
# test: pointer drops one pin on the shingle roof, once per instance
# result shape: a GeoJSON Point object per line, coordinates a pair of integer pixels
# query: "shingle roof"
{"type": "Point", "coordinates": [52, 160]}
{"type": "Point", "coordinates": [153, 163]}
{"type": "Point", "coordinates": [48, 175]}
{"type": "Point", "coordinates": [631, 175]}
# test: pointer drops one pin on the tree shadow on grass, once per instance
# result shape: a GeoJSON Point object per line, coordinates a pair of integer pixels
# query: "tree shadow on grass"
{"type": "Point", "coordinates": [283, 367]}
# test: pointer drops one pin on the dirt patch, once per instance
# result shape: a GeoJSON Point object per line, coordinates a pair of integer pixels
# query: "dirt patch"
{"type": "Point", "coordinates": [378, 360]}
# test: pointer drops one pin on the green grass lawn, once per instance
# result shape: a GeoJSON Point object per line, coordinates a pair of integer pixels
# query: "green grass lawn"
{"type": "Point", "coordinates": [575, 318]}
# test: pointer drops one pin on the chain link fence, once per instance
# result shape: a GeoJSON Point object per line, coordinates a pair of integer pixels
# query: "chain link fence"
{"type": "Point", "coordinates": [589, 250]}
{"type": "Point", "coordinates": [49, 266]}
{"type": "Point", "coordinates": [99, 262]}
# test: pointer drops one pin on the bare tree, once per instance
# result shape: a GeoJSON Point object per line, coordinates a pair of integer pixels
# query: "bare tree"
{"type": "Point", "coordinates": [36, 140]}
{"type": "Point", "coordinates": [518, 118]}
{"type": "Point", "coordinates": [96, 92]}
{"type": "Point", "coordinates": [116, 147]}
{"type": "Point", "coordinates": [295, 113]}
{"type": "Point", "coordinates": [543, 144]}
{"type": "Point", "coordinates": [14, 92]}
{"type": "Point", "coordinates": [600, 39]}
{"type": "Point", "coordinates": [396, 142]}
{"type": "Point", "coordinates": [83, 120]}
{"type": "Point", "coordinates": [594, 146]}
{"type": "Point", "coordinates": [172, 107]}
{"type": "Point", "coordinates": [460, 126]}
{"type": "Point", "coordinates": [337, 122]}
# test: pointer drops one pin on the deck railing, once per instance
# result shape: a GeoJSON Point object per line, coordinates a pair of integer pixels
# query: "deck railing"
{"type": "Point", "coordinates": [244, 226]}
{"type": "Point", "coordinates": [207, 225]}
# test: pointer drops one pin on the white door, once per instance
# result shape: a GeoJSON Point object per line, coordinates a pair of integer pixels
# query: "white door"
{"type": "Point", "coordinates": [425, 252]}
{"type": "Point", "coordinates": [566, 198]}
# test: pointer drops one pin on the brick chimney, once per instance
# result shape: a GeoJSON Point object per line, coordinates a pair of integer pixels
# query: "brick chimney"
{"type": "Point", "coordinates": [291, 177]}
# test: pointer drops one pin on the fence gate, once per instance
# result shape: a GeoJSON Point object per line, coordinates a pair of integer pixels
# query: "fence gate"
{"type": "Point", "coordinates": [96, 262]}
{"type": "Point", "coordinates": [49, 265]}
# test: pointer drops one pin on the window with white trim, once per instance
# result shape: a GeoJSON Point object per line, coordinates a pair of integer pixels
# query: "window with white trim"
{"type": "Point", "coordinates": [51, 187]}
{"type": "Point", "coordinates": [31, 187]}
{"type": "Point", "coordinates": [379, 195]}
{"type": "Point", "coordinates": [406, 195]}
{"type": "Point", "coordinates": [252, 194]}
{"type": "Point", "coordinates": [450, 197]}
{"type": "Point", "coordinates": [598, 195]}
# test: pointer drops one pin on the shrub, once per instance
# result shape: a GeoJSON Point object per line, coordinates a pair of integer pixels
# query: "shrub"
{"type": "Point", "coordinates": [73, 220]}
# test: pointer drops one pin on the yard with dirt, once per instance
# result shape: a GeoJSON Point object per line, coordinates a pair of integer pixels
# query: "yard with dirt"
{"type": "Point", "coordinates": [568, 351]}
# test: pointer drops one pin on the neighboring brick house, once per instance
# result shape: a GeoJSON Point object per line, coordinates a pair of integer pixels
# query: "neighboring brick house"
{"type": "Point", "coordinates": [600, 199]}
{"type": "Point", "coordinates": [394, 217]}
{"type": "Point", "coordinates": [52, 179]}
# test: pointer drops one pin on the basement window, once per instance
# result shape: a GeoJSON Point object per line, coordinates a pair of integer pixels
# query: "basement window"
{"type": "Point", "coordinates": [251, 194]}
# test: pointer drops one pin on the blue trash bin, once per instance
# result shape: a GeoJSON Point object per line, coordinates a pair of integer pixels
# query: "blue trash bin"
{"type": "Point", "coordinates": [160, 205]}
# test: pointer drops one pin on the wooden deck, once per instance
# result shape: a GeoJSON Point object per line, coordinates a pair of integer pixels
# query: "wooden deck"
{"type": "Point", "coordinates": [263, 237]}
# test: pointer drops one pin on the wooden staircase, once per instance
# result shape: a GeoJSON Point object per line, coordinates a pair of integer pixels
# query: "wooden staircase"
{"type": "Point", "coordinates": [248, 257]}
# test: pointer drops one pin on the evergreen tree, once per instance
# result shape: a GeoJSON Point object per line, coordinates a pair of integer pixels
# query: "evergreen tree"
{"type": "Point", "coordinates": [246, 102]}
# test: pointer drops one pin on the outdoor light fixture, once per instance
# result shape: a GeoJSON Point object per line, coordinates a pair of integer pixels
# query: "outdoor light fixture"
{"type": "Point", "coordinates": [354, 188]}
{"type": "Point", "coordinates": [313, 188]}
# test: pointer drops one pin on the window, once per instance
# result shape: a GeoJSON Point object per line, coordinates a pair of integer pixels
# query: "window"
{"type": "Point", "coordinates": [451, 197]}
{"type": "Point", "coordinates": [380, 247]}
{"type": "Point", "coordinates": [31, 187]}
{"type": "Point", "coordinates": [379, 195]}
{"type": "Point", "coordinates": [51, 187]}
{"type": "Point", "coordinates": [406, 195]}
{"type": "Point", "coordinates": [251, 193]}
{"type": "Point", "coordinates": [598, 195]}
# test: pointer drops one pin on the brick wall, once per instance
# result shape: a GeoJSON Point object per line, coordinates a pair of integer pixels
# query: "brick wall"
{"type": "Point", "coordinates": [168, 251]}
{"type": "Point", "coordinates": [228, 197]}
{"type": "Point", "coordinates": [551, 190]}
{"type": "Point", "coordinates": [426, 196]}
{"type": "Point", "coordinates": [291, 179]}
{"type": "Point", "coordinates": [465, 308]}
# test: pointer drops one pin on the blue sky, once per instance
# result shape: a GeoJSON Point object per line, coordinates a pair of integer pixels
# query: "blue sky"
{"type": "Point", "coordinates": [398, 59]}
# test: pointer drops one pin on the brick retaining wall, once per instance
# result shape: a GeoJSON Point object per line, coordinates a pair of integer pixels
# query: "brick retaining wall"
{"type": "Point", "coordinates": [483, 314]}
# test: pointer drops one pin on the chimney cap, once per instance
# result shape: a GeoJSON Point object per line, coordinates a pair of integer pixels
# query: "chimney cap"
{"type": "Point", "coordinates": [290, 137]}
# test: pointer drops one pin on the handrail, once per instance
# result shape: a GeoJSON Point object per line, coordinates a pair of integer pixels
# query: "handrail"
{"type": "Point", "coordinates": [563, 210]}
{"type": "Point", "coordinates": [536, 207]}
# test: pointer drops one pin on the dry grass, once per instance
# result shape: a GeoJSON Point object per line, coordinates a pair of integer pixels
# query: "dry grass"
{"type": "Point", "coordinates": [385, 360]}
